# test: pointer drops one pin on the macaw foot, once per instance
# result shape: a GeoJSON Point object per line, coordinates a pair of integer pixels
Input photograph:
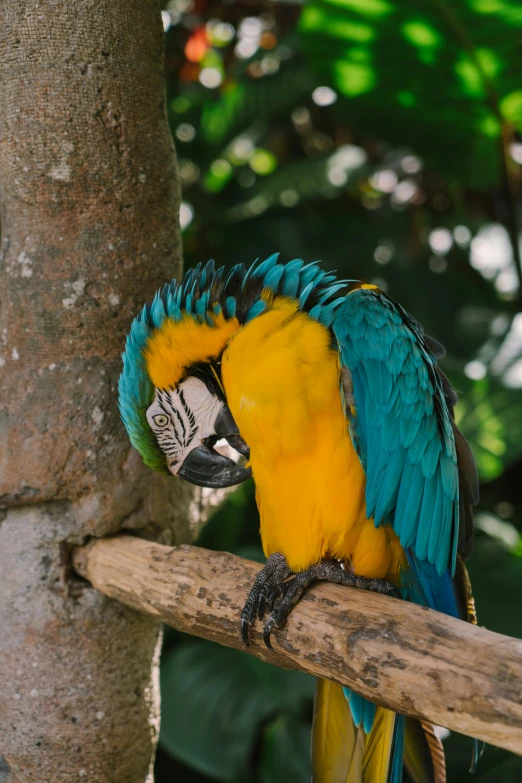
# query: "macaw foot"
{"type": "Point", "coordinates": [267, 587]}
{"type": "Point", "coordinates": [288, 593]}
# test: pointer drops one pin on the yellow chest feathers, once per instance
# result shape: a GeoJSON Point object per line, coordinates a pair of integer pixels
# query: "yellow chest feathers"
{"type": "Point", "coordinates": [281, 379]}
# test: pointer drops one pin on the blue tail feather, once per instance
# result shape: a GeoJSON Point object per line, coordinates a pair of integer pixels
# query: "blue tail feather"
{"type": "Point", "coordinates": [397, 753]}
{"type": "Point", "coordinates": [427, 588]}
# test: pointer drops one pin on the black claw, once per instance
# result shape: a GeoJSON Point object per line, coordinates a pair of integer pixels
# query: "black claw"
{"type": "Point", "coordinates": [266, 633]}
{"type": "Point", "coordinates": [245, 626]}
{"type": "Point", "coordinates": [264, 590]}
{"type": "Point", "coordinates": [274, 595]}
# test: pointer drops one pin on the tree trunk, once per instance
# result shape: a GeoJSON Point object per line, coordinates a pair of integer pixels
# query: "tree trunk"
{"type": "Point", "coordinates": [89, 205]}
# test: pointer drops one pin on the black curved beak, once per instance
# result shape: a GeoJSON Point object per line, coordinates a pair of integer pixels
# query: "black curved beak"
{"type": "Point", "coordinates": [205, 467]}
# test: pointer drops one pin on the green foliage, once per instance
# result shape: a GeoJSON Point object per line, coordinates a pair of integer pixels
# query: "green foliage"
{"type": "Point", "coordinates": [439, 69]}
{"type": "Point", "coordinates": [496, 575]}
{"type": "Point", "coordinates": [286, 751]}
{"type": "Point", "coordinates": [230, 701]}
{"type": "Point", "coordinates": [244, 104]}
{"type": "Point", "coordinates": [489, 415]}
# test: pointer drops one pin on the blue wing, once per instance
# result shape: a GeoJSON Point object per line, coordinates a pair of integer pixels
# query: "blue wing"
{"type": "Point", "coordinates": [401, 424]}
{"type": "Point", "coordinates": [420, 474]}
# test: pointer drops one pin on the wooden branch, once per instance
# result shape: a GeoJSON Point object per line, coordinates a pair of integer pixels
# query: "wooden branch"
{"type": "Point", "coordinates": [413, 660]}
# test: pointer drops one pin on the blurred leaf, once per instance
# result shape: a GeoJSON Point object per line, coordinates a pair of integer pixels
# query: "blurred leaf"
{"type": "Point", "coordinates": [263, 162]}
{"type": "Point", "coordinates": [308, 179]}
{"type": "Point", "coordinates": [496, 576]}
{"type": "Point", "coordinates": [440, 76]}
{"type": "Point", "coordinates": [285, 755]}
{"type": "Point", "coordinates": [169, 770]}
{"type": "Point", "coordinates": [245, 102]}
{"type": "Point", "coordinates": [215, 701]}
{"type": "Point", "coordinates": [500, 529]}
{"type": "Point", "coordinates": [235, 524]}
{"type": "Point", "coordinates": [508, 769]}
{"type": "Point", "coordinates": [251, 552]}
{"type": "Point", "coordinates": [217, 176]}
{"type": "Point", "coordinates": [495, 766]}
{"type": "Point", "coordinates": [489, 416]}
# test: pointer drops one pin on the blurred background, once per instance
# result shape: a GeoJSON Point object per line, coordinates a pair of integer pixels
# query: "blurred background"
{"type": "Point", "coordinates": [381, 137]}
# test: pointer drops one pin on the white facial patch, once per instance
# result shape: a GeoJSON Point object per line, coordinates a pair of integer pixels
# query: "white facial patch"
{"type": "Point", "coordinates": [182, 418]}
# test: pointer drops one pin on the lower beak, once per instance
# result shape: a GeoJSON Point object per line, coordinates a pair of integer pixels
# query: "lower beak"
{"type": "Point", "coordinates": [207, 468]}
{"type": "Point", "coordinates": [226, 427]}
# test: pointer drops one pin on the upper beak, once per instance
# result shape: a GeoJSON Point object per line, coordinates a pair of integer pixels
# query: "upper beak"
{"type": "Point", "coordinates": [205, 467]}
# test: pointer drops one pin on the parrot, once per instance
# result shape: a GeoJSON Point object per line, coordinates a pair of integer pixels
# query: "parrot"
{"type": "Point", "coordinates": [333, 394]}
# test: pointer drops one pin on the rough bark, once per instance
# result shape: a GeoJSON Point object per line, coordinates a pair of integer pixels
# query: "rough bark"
{"type": "Point", "coordinates": [89, 208]}
{"type": "Point", "coordinates": [405, 657]}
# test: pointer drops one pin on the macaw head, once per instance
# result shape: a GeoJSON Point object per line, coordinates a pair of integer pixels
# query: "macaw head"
{"type": "Point", "coordinates": [170, 393]}
{"type": "Point", "coordinates": [171, 398]}
{"type": "Point", "coordinates": [189, 416]}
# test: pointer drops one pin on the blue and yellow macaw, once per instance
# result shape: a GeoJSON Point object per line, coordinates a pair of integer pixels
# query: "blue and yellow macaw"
{"type": "Point", "coordinates": [362, 478]}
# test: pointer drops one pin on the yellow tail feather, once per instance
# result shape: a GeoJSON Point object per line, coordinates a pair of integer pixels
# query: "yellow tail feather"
{"type": "Point", "coordinates": [342, 753]}
{"type": "Point", "coordinates": [337, 745]}
{"type": "Point", "coordinates": [378, 747]}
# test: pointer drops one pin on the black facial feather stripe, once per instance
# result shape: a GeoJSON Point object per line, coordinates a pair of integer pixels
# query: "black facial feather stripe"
{"type": "Point", "coordinates": [180, 419]}
{"type": "Point", "coordinates": [173, 440]}
{"type": "Point", "coordinates": [186, 408]}
{"type": "Point", "coordinates": [190, 416]}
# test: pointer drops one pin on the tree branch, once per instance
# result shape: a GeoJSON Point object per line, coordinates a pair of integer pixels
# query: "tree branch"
{"type": "Point", "coordinates": [410, 659]}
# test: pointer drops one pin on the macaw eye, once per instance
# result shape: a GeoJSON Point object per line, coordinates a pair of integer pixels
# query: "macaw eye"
{"type": "Point", "coordinates": [160, 420]}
